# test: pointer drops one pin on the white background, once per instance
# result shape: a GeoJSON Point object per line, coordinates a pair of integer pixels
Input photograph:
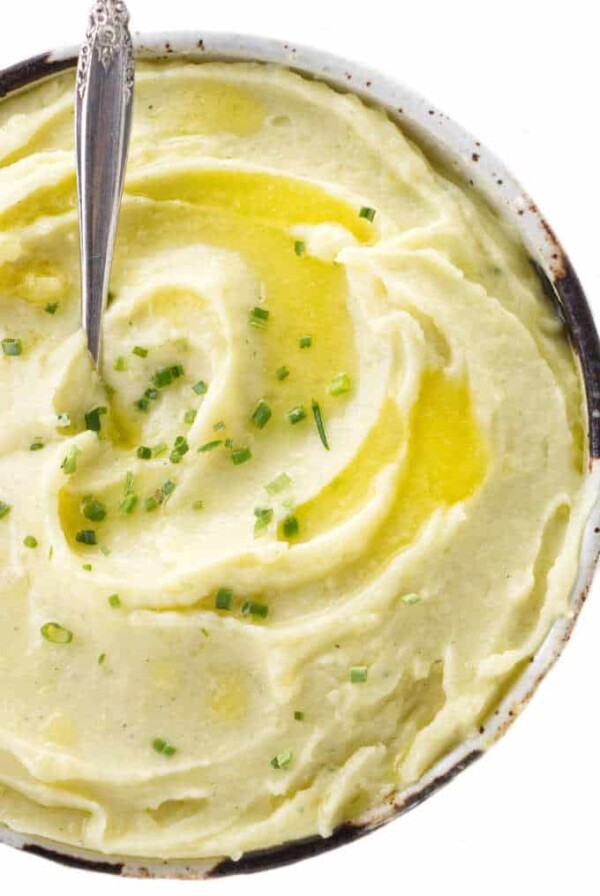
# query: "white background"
{"type": "Point", "coordinates": [524, 77]}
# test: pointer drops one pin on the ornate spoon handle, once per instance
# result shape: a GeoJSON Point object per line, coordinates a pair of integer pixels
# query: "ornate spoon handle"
{"type": "Point", "coordinates": [103, 112]}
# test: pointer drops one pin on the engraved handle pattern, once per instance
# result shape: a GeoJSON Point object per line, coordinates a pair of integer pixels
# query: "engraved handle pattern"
{"type": "Point", "coordinates": [104, 106]}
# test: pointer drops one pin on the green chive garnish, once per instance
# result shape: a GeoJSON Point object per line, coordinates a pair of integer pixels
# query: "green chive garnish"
{"type": "Point", "coordinates": [180, 449]}
{"type": "Point", "coordinates": [240, 456]}
{"type": "Point", "coordinates": [340, 384]}
{"type": "Point", "coordinates": [261, 414]}
{"type": "Point", "coordinates": [229, 443]}
{"type": "Point", "coordinates": [300, 247]}
{"type": "Point", "coordinates": [120, 364]}
{"type": "Point", "coordinates": [279, 484]}
{"type": "Point", "coordinates": [168, 487]}
{"type": "Point", "coordinates": [51, 308]}
{"type": "Point", "coordinates": [159, 449]}
{"type": "Point", "coordinates": [366, 212]}
{"type": "Point", "coordinates": [198, 505]}
{"type": "Point", "coordinates": [144, 453]}
{"type": "Point", "coordinates": [163, 377]}
{"type": "Point", "coordinates": [37, 445]}
{"type": "Point", "coordinates": [69, 464]}
{"type": "Point", "coordinates": [114, 601]}
{"type": "Point", "coordinates": [92, 419]}
{"type": "Point", "coordinates": [218, 427]}
{"type": "Point", "coordinates": [200, 388]}
{"type": "Point", "coordinates": [291, 526]}
{"type": "Point", "coordinates": [359, 674]}
{"type": "Point", "coordinates": [282, 373]}
{"type": "Point", "coordinates": [101, 658]}
{"type": "Point", "coordinates": [210, 446]}
{"type": "Point", "coordinates": [87, 567]}
{"type": "Point", "coordinates": [151, 504]}
{"type": "Point", "coordinates": [30, 541]}
{"type": "Point", "coordinates": [296, 414]}
{"type": "Point", "coordinates": [190, 416]}
{"type": "Point", "coordinates": [263, 515]}
{"type": "Point", "coordinates": [305, 341]}
{"type": "Point", "coordinates": [299, 716]}
{"type": "Point", "coordinates": [94, 510]}
{"type": "Point", "coordinates": [253, 608]}
{"type": "Point", "coordinates": [224, 599]}
{"type": "Point", "coordinates": [163, 747]}
{"type": "Point", "coordinates": [12, 347]}
{"type": "Point", "coordinates": [139, 351]}
{"type": "Point", "coordinates": [259, 317]}
{"type": "Point", "coordinates": [128, 503]}
{"type": "Point", "coordinates": [4, 509]}
{"type": "Point", "coordinates": [86, 536]}
{"type": "Point", "coordinates": [56, 634]}
{"type": "Point", "coordinates": [316, 409]}
{"type": "Point", "coordinates": [283, 760]}
{"type": "Point", "coordinates": [411, 599]}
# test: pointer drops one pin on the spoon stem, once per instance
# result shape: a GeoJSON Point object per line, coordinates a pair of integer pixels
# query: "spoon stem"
{"type": "Point", "coordinates": [103, 114]}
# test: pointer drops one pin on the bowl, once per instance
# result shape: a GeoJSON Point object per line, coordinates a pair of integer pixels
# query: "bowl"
{"type": "Point", "coordinates": [444, 140]}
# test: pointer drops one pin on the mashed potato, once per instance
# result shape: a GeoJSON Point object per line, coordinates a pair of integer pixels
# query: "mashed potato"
{"type": "Point", "coordinates": [325, 500]}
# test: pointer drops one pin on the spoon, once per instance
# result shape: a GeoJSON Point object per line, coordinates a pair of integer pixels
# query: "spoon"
{"type": "Point", "coordinates": [103, 113]}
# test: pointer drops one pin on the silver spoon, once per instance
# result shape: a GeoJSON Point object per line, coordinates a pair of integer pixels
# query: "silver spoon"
{"type": "Point", "coordinates": [103, 113]}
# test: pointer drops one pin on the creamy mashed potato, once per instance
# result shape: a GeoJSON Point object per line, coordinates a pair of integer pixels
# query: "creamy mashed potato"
{"type": "Point", "coordinates": [323, 504]}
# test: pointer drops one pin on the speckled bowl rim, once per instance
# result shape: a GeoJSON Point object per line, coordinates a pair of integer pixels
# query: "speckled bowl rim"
{"type": "Point", "coordinates": [441, 137]}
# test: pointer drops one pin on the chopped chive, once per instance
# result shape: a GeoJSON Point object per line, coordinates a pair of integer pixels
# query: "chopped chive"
{"type": "Point", "coordinates": [299, 716]}
{"type": "Point", "coordinates": [101, 659]}
{"type": "Point", "coordinates": [229, 443]}
{"type": "Point", "coordinates": [12, 347]}
{"type": "Point", "coordinates": [92, 419]}
{"type": "Point", "coordinates": [258, 317]}
{"type": "Point", "coordinates": [282, 373]}
{"type": "Point", "coordinates": [359, 674]}
{"type": "Point", "coordinates": [300, 248]}
{"type": "Point", "coordinates": [51, 308]}
{"type": "Point", "coordinates": [305, 341]}
{"type": "Point", "coordinates": [86, 536]}
{"type": "Point", "coordinates": [114, 601]}
{"type": "Point", "coordinates": [120, 364]}
{"type": "Point", "coordinates": [56, 634]}
{"type": "Point", "coordinates": [218, 427]}
{"type": "Point", "coordinates": [30, 541]}
{"type": "Point", "coordinates": [144, 453]}
{"type": "Point", "coordinates": [200, 388]}
{"type": "Point", "coordinates": [411, 599]}
{"type": "Point", "coordinates": [263, 515]}
{"type": "Point", "coordinates": [180, 449]}
{"type": "Point", "coordinates": [366, 212]}
{"type": "Point", "coordinates": [224, 599]}
{"type": "Point", "coordinates": [210, 446]}
{"type": "Point", "coordinates": [142, 404]}
{"type": "Point", "coordinates": [291, 526]}
{"type": "Point", "coordinates": [128, 503]}
{"type": "Point", "coordinates": [190, 416]}
{"type": "Point", "coordinates": [163, 377]}
{"type": "Point", "coordinates": [63, 421]}
{"type": "Point", "coordinates": [95, 511]}
{"type": "Point", "coordinates": [139, 351]}
{"type": "Point", "coordinates": [159, 449]}
{"type": "Point", "coordinates": [261, 414]}
{"type": "Point", "coordinates": [253, 608]}
{"type": "Point", "coordinates": [4, 509]}
{"type": "Point", "coordinates": [316, 409]}
{"type": "Point", "coordinates": [87, 567]}
{"type": "Point", "coordinates": [128, 482]}
{"type": "Point", "coordinates": [152, 394]}
{"type": "Point", "coordinates": [240, 456]}
{"type": "Point", "coordinates": [283, 760]}
{"type": "Point", "coordinates": [177, 371]}
{"type": "Point", "coordinates": [168, 487]}
{"type": "Point", "coordinates": [198, 505]}
{"type": "Point", "coordinates": [279, 484]}
{"type": "Point", "coordinates": [151, 504]}
{"type": "Point", "coordinates": [163, 747]}
{"type": "Point", "coordinates": [69, 464]}
{"type": "Point", "coordinates": [340, 384]}
{"type": "Point", "coordinates": [296, 414]}
{"type": "Point", "coordinates": [37, 445]}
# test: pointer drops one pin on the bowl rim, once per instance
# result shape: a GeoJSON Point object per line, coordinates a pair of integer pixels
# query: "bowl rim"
{"type": "Point", "coordinates": [474, 164]}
